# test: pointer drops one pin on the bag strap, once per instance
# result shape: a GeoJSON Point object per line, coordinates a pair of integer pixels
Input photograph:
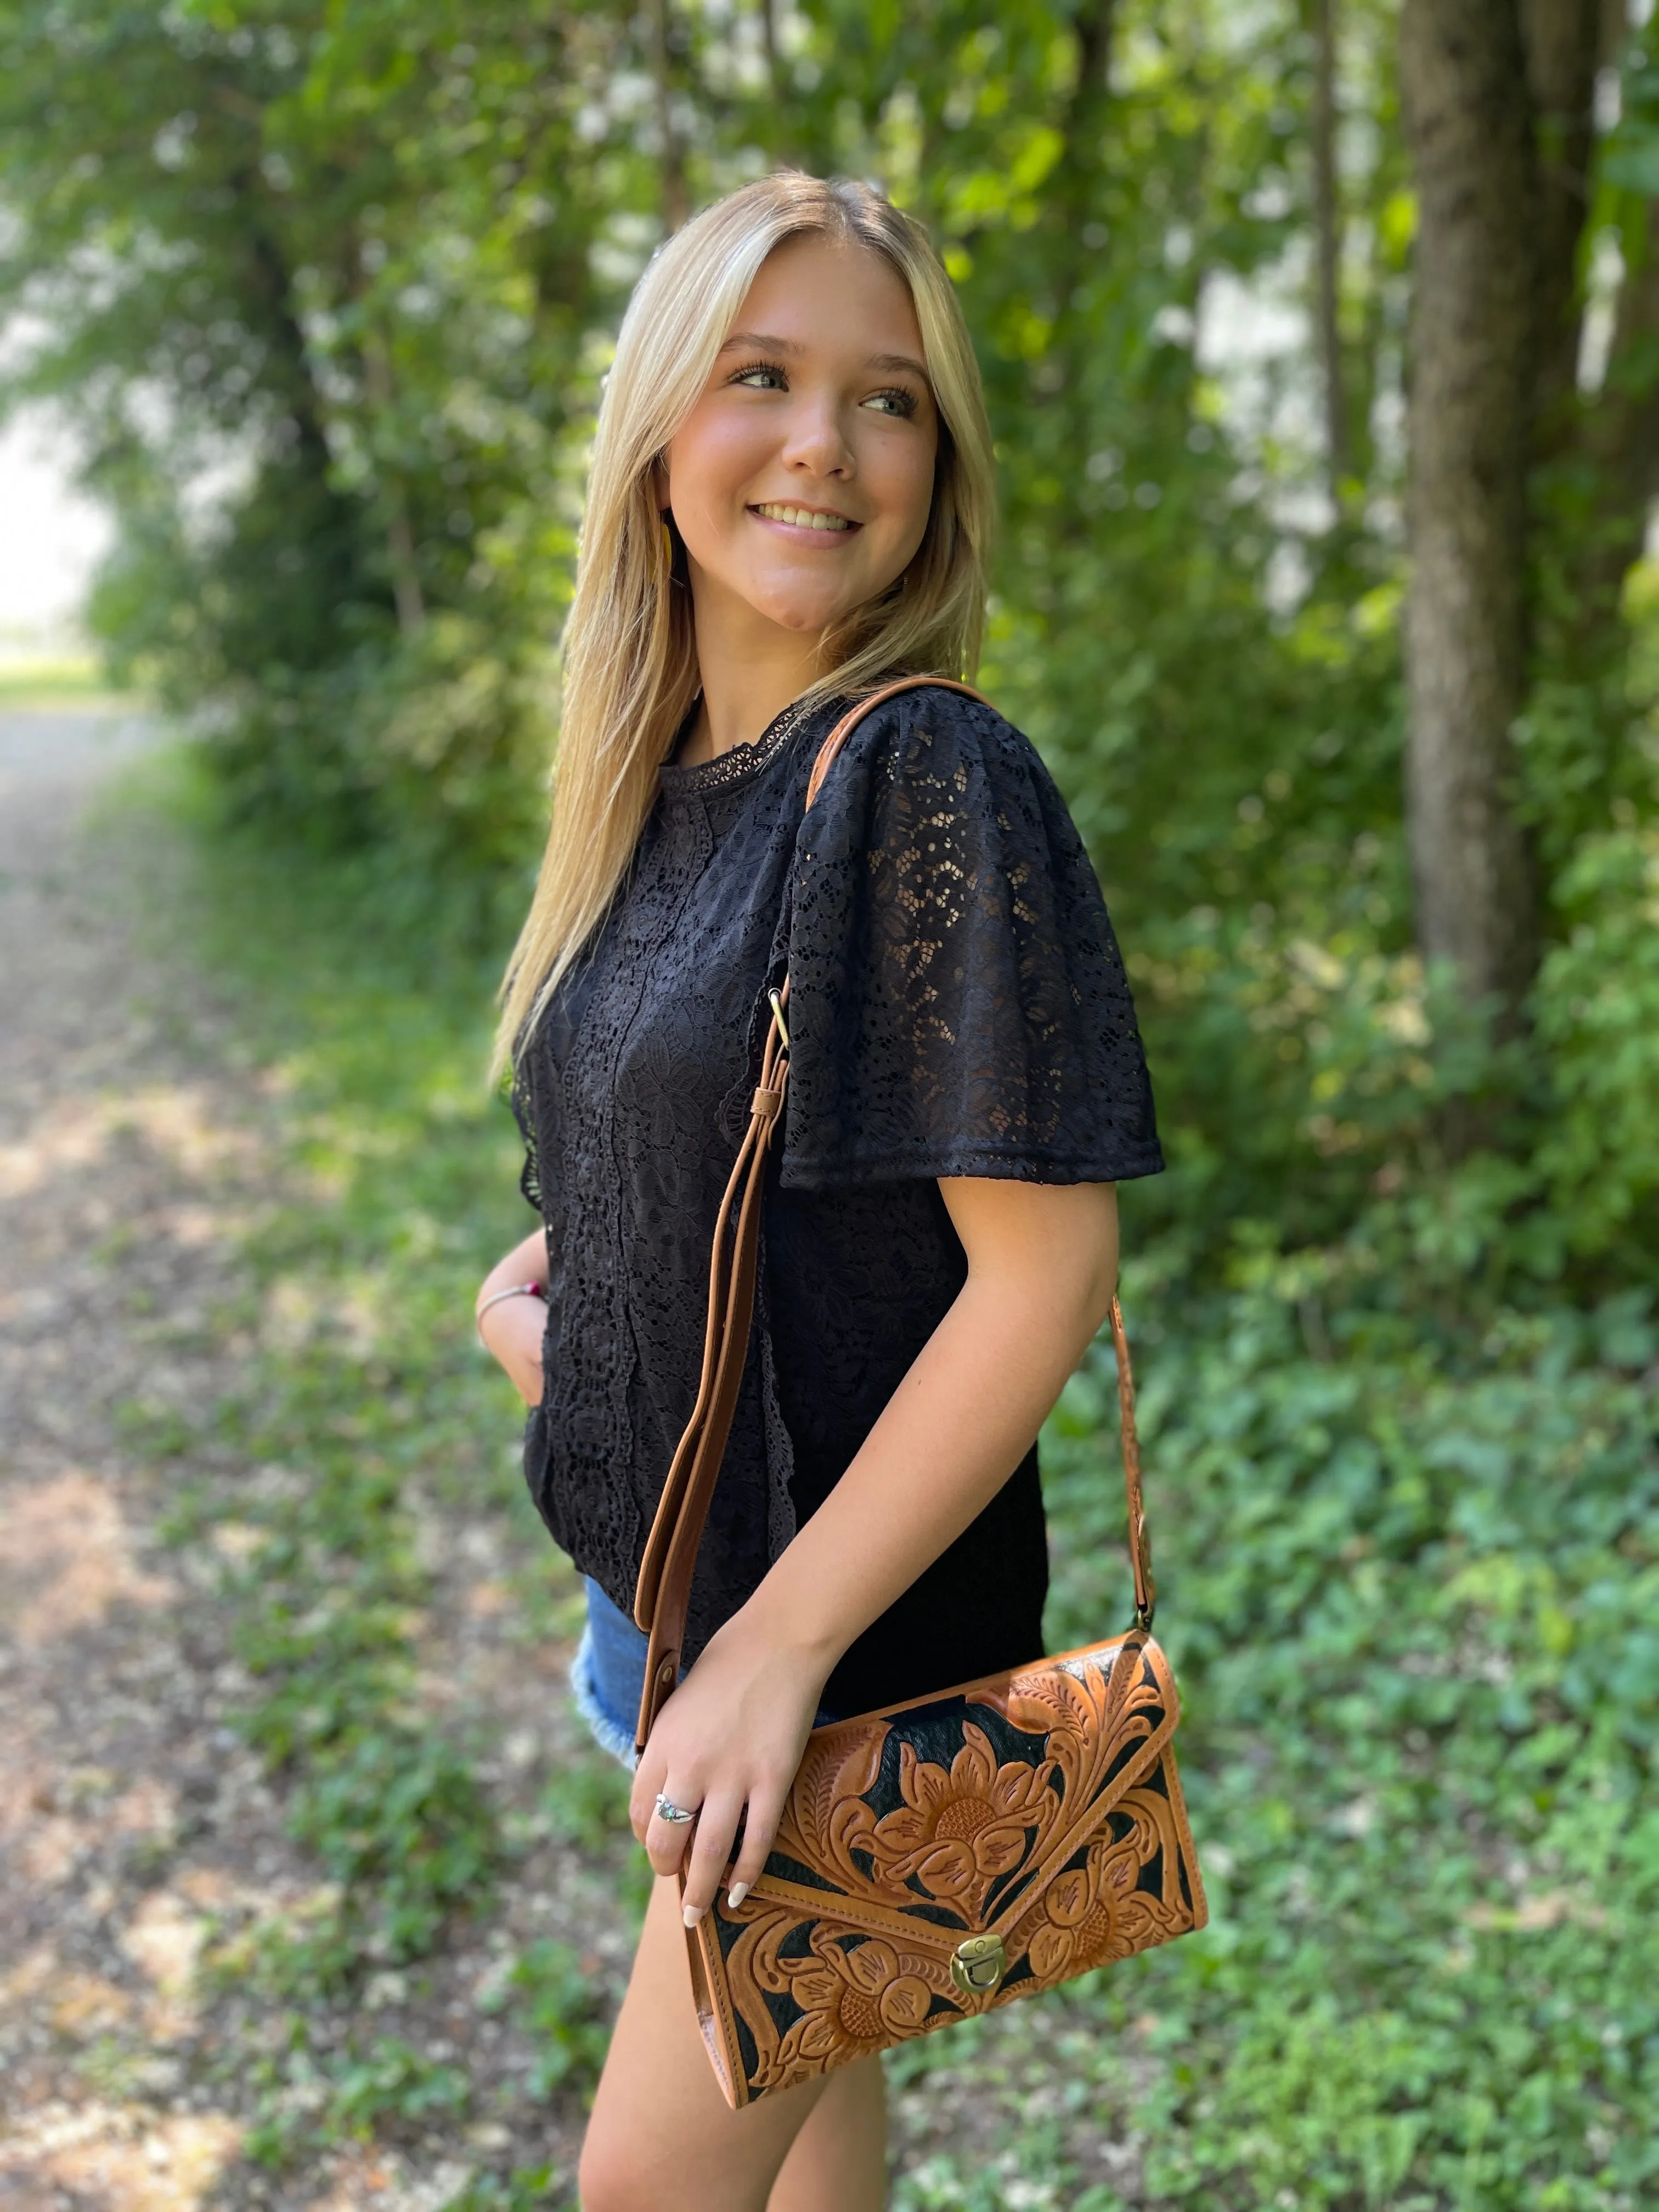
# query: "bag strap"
{"type": "Point", "coordinates": [663, 1594]}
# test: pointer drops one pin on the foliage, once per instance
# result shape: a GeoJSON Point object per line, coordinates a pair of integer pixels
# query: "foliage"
{"type": "Point", "coordinates": [368, 2087]}
{"type": "Point", "coordinates": [523, 2191]}
{"type": "Point", "coordinates": [1411, 1589]}
{"type": "Point", "coordinates": [330, 289]}
{"type": "Point", "coordinates": [559, 1999]}
{"type": "Point", "coordinates": [1599, 1009]}
{"type": "Point", "coordinates": [1411, 1593]}
{"type": "Point", "coordinates": [337, 532]}
{"type": "Point", "coordinates": [327, 1604]}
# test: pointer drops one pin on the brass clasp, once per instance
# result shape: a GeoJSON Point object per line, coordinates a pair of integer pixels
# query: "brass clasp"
{"type": "Point", "coordinates": [776, 997]}
{"type": "Point", "coordinates": [978, 1965]}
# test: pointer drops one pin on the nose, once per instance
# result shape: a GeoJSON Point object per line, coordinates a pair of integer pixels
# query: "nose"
{"type": "Point", "coordinates": [815, 438]}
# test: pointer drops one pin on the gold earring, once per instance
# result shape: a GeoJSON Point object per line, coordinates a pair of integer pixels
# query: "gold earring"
{"type": "Point", "coordinates": [668, 541]}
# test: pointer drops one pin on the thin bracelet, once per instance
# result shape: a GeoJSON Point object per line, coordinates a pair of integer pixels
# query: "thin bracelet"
{"type": "Point", "coordinates": [513, 1290]}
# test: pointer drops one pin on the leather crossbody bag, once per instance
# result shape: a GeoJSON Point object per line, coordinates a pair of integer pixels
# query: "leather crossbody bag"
{"type": "Point", "coordinates": [945, 1856]}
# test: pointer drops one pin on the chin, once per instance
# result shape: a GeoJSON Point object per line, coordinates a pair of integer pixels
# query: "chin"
{"type": "Point", "coordinates": [799, 610]}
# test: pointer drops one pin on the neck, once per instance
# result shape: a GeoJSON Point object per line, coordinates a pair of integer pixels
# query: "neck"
{"type": "Point", "coordinates": [750, 669]}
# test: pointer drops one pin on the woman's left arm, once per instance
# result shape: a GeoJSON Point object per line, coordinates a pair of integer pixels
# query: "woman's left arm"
{"type": "Point", "coordinates": [1041, 1269]}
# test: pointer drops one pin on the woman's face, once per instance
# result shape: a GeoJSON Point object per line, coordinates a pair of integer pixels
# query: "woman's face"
{"type": "Point", "coordinates": [801, 481]}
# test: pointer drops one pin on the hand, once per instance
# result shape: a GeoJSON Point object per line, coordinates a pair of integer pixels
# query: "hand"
{"type": "Point", "coordinates": [727, 1746]}
{"type": "Point", "coordinates": [514, 1332]}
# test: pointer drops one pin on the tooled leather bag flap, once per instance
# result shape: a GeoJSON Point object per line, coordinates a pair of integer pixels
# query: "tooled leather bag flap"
{"type": "Point", "coordinates": [957, 1817]}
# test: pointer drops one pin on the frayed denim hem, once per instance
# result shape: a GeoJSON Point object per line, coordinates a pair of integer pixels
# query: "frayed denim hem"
{"type": "Point", "coordinates": [609, 1734]}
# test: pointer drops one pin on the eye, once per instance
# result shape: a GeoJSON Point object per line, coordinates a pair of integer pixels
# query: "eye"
{"type": "Point", "coordinates": [761, 368]}
{"type": "Point", "coordinates": [894, 401]}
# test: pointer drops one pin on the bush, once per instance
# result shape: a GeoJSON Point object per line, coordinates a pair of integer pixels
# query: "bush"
{"type": "Point", "coordinates": [1411, 1590]}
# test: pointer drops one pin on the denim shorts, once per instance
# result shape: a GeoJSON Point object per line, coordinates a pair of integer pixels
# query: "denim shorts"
{"type": "Point", "coordinates": [607, 1676]}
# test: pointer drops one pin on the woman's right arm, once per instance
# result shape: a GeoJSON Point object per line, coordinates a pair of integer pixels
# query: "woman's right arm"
{"type": "Point", "coordinates": [512, 1329]}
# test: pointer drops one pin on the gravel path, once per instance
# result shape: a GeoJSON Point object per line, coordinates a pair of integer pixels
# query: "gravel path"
{"type": "Point", "coordinates": [112, 1155]}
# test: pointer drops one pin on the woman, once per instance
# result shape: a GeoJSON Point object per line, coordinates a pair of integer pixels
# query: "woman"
{"type": "Point", "coordinates": [789, 502]}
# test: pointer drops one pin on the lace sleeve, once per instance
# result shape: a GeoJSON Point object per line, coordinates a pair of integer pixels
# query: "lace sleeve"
{"type": "Point", "coordinates": [958, 1002]}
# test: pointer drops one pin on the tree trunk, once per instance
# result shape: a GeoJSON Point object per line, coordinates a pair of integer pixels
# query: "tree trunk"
{"type": "Point", "coordinates": [1074, 182]}
{"type": "Point", "coordinates": [1612, 441]}
{"type": "Point", "coordinates": [1067, 192]}
{"type": "Point", "coordinates": [1327, 231]}
{"type": "Point", "coordinates": [1095, 33]}
{"type": "Point", "coordinates": [670, 154]}
{"type": "Point", "coordinates": [1618, 436]}
{"type": "Point", "coordinates": [272, 285]}
{"type": "Point", "coordinates": [1468, 125]}
{"type": "Point", "coordinates": [403, 559]}
{"type": "Point", "coordinates": [1564, 41]}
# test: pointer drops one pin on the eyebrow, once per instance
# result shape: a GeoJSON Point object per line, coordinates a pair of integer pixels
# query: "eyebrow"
{"type": "Point", "coordinates": [766, 341]}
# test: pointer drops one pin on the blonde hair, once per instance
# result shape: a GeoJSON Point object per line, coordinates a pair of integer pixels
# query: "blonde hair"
{"type": "Point", "coordinates": [630, 656]}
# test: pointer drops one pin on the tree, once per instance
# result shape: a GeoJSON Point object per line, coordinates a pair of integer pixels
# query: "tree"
{"type": "Point", "coordinates": [1327, 240]}
{"type": "Point", "coordinates": [1529, 497]}
{"type": "Point", "coordinates": [334, 258]}
{"type": "Point", "coordinates": [1474, 355]}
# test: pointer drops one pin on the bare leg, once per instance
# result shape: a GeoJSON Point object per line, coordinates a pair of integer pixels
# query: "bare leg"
{"type": "Point", "coordinates": [839, 2160]}
{"type": "Point", "coordinates": [661, 2134]}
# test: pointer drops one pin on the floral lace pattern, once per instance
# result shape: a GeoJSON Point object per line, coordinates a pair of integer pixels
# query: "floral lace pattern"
{"type": "Point", "coordinates": [958, 1007]}
{"type": "Point", "coordinates": [961, 1007]}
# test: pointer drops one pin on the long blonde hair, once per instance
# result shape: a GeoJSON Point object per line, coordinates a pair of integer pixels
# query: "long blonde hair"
{"type": "Point", "coordinates": [629, 654]}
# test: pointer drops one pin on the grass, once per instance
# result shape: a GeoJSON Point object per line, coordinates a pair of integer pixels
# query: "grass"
{"type": "Point", "coordinates": [1411, 1586]}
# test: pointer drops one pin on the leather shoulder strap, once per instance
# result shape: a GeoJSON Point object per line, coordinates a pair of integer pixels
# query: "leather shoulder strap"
{"type": "Point", "coordinates": [663, 1593]}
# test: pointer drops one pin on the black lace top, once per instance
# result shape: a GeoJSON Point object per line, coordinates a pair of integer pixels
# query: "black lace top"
{"type": "Point", "coordinates": [958, 1007]}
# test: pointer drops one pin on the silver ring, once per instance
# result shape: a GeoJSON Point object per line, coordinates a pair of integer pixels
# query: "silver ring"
{"type": "Point", "coordinates": [675, 1814]}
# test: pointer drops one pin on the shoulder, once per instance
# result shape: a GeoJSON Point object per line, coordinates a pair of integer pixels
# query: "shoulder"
{"type": "Point", "coordinates": [938, 751]}
{"type": "Point", "coordinates": [930, 725]}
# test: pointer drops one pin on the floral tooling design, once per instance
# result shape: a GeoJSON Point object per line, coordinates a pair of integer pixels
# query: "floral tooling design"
{"type": "Point", "coordinates": [956, 1831]}
{"type": "Point", "coordinates": [1042, 1809]}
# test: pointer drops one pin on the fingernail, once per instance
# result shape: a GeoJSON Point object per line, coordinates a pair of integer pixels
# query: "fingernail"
{"type": "Point", "coordinates": [693, 1914]}
{"type": "Point", "coordinates": [737, 1893]}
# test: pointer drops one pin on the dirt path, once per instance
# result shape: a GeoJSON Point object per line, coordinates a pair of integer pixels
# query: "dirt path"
{"type": "Point", "coordinates": [133, 1823]}
{"type": "Point", "coordinates": [106, 1143]}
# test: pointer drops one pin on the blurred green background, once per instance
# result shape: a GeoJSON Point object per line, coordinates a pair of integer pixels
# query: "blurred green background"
{"type": "Point", "coordinates": [326, 292]}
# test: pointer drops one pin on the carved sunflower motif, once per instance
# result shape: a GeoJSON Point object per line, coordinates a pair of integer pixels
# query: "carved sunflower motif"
{"type": "Point", "coordinates": [958, 1830]}
{"type": "Point", "coordinates": [1080, 1918]}
{"type": "Point", "coordinates": [851, 2001]}
{"type": "Point", "coordinates": [1095, 1913]}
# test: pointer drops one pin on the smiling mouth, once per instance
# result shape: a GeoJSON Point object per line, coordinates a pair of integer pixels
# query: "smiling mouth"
{"type": "Point", "coordinates": [802, 518]}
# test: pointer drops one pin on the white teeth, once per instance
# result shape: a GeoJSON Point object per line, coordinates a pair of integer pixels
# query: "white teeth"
{"type": "Point", "coordinates": [804, 518]}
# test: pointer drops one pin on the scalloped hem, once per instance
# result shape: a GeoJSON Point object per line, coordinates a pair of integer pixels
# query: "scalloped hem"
{"type": "Point", "coordinates": [610, 1734]}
